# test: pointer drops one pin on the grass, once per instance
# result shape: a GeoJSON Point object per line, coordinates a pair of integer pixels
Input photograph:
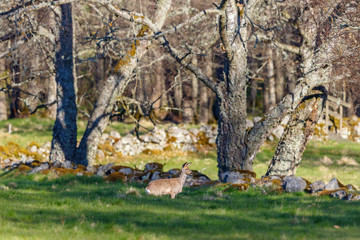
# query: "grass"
{"type": "Point", "coordinates": [70, 207]}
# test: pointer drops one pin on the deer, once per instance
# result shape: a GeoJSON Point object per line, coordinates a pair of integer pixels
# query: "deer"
{"type": "Point", "coordinates": [171, 186]}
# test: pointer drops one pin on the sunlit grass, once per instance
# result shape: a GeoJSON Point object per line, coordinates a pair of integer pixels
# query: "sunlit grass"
{"type": "Point", "coordinates": [89, 208]}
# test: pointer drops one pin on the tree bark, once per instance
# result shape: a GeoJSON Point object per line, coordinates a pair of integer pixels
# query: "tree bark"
{"type": "Point", "coordinates": [113, 87]}
{"type": "Point", "coordinates": [3, 102]}
{"type": "Point", "coordinates": [279, 77]}
{"type": "Point", "coordinates": [63, 144]}
{"type": "Point", "coordinates": [298, 132]}
{"type": "Point", "coordinates": [231, 94]}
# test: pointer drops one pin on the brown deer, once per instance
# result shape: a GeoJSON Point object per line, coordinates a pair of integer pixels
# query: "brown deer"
{"type": "Point", "coordinates": [170, 186]}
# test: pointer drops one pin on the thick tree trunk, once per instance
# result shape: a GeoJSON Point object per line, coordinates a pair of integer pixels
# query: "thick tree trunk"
{"type": "Point", "coordinates": [231, 95]}
{"type": "Point", "coordinates": [113, 87]}
{"type": "Point", "coordinates": [298, 132]}
{"type": "Point", "coordinates": [63, 144]}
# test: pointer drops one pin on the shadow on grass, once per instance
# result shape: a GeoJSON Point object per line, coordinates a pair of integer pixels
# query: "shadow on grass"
{"type": "Point", "coordinates": [98, 207]}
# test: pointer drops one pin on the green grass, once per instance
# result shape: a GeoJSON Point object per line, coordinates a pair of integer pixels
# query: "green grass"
{"type": "Point", "coordinates": [36, 207]}
{"type": "Point", "coordinates": [70, 207]}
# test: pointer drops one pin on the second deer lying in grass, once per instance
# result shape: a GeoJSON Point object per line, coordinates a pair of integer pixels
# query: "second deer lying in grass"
{"type": "Point", "coordinates": [170, 186]}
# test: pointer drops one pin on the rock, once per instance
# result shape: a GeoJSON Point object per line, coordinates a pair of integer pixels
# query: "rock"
{"type": "Point", "coordinates": [146, 176]}
{"type": "Point", "coordinates": [117, 146]}
{"type": "Point", "coordinates": [67, 164]}
{"type": "Point", "coordinates": [332, 185]}
{"type": "Point", "coordinates": [271, 138]}
{"type": "Point", "coordinates": [175, 172]}
{"type": "Point", "coordinates": [91, 169]}
{"type": "Point", "coordinates": [351, 188]}
{"type": "Point", "coordinates": [155, 176]}
{"type": "Point", "coordinates": [153, 165]}
{"type": "Point", "coordinates": [100, 154]}
{"type": "Point", "coordinates": [33, 148]}
{"type": "Point", "coordinates": [188, 147]}
{"type": "Point", "coordinates": [278, 132]}
{"type": "Point", "coordinates": [231, 176]}
{"type": "Point", "coordinates": [317, 186]}
{"type": "Point", "coordinates": [103, 169]}
{"type": "Point", "coordinates": [341, 194]}
{"type": "Point", "coordinates": [56, 164]}
{"type": "Point", "coordinates": [42, 167]}
{"type": "Point", "coordinates": [115, 134]}
{"type": "Point", "coordinates": [294, 184]}
{"type": "Point", "coordinates": [249, 123]}
{"type": "Point", "coordinates": [126, 171]}
{"type": "Point", "coordinates": [355, 197]}
{"type": "Point", "coordinates": [257, 119]}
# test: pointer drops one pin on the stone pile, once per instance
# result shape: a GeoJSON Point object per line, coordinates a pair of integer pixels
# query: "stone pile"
{"type": "Point", "coordinates": [243, 179]}
{"type": "Point", "coordinates": [110, 172]}
{"type": "Point", "coordinates": [240, 180]}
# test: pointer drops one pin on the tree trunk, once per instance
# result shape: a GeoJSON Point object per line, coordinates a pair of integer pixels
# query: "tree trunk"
{"type": "Point", "coordinates": [231, 95]}
{"type": "Point", "coordinates": [113, 87]}
{"type": "Point", "coordinates": [271, 78]}
{"type": "Point", "coordinates": [280, 79]}
{"type": "Point", "coordinates": [204, 99]}
{"type": "Point", "coordinates": [3, 102]}
{"type": "Point", "coordinates": [298, 132]}
{"type": "Point", "coordinates": [63, 144]}
{"type": "Point", "coordinates": [194, 95]}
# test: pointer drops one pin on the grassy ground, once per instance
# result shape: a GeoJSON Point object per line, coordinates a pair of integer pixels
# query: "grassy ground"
{"type": "Point", "coordinates": [35, 207]}
{"type": "Point", "coordinates": [45, 207]}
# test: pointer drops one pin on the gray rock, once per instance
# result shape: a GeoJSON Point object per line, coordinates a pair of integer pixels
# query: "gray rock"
{"type": "Point", "coordinates": [155, 176]}
{"type": "Point", "coordinates": [355, 197]}
{"type": "Point", "coordinates": [115, 134]}
{"type": "Point", "coordinates": [67, 164]}
{"type": "Point", "coordinates": [33, 149]}
{"type": "Point", "coordinates": [294, 184]}
{"type": "Point", "coordinates": [56, 164]}
{"type": "Point", "coordinates": [332, 185]}
{"type": "Point", "coordinates": [317, 186]}
{"type": "Point", "coordinates": [231, 176]}
{"type": "Point", "coordinates": [44, 166]}
{"type": "Point", "coordinates": [91, 169]}
{"type": "Point", "coordinates": [117, 146]}
{"type": "Point", "coordinates": [188, 147]}
{"type": "Point", "coordinates": [257, 119]}
{"type": "Point", "coordinates": [126, 171]}
{"type": "Point", "coordinates": [103, 169]}
{"type": "Point", "coordinates": [153, 166]}
{"type": "Point", "coordinates": [174, 172]}
{"type": "Point", "coordinates": [249, 123]}
{"type": "Point", "coordinates": [145, 177]}
{"type": "Point", "coordinates": [350, 188]}
{"type": "Point", "coordinates": [100, 154]}
{"type": "Point", "coordinates": [341, 194]}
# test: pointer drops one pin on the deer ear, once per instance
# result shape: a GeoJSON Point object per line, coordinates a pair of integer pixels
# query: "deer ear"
{"type": "Point", "coordinates": [184, 164]}
{"type": "Point", "coordinates": [188, 164]}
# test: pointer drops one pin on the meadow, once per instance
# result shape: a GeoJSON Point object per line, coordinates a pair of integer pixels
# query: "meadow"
{"type": "Point", "coordinates": [80, 207]}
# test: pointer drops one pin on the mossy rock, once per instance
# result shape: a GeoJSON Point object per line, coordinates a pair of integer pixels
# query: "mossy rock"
{"type": "Point", "coordinates": [156, 152]}
{"type": "Point", "coordinates": [328, 192]}
{"type": "Point", "coordinates": [116, 176]}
